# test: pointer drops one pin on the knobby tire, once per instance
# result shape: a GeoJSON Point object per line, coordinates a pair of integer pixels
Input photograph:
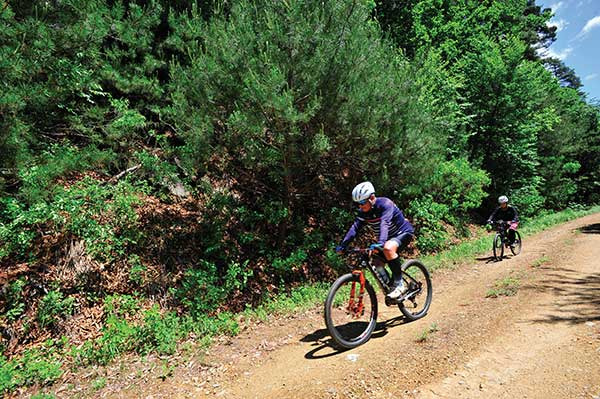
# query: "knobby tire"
{"type": "Point", "coordinates": [516, 247]}
{"type": "Point", "coordinates": [410, 306]}
{"type": "Point", "coordinates": [348, 332]}
{"type": "Point", "coordinates": [498, 247]}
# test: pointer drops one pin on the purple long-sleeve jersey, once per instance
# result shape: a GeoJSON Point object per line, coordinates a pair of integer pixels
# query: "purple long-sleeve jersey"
{"type": "Point", "coordinates": [384, 218]}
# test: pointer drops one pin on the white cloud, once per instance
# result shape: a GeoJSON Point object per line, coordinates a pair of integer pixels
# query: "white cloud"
{"type": "Point", "coordinates": [556, 6]}
{"type": "Point", "coordinates": [559, 23]}
{"type": "Point", "coordinates": [589, 25]}
{"type": "Point", "coordinates": [591, 76]}
{"type": "Point", "coordinates": [561, 54]}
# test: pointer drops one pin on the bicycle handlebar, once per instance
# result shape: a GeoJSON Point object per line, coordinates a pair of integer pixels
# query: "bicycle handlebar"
{"type": "Point", "coordinates": [364, 251]}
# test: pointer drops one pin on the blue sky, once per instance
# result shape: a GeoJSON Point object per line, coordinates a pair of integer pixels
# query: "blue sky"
{"type": "Point", "coordinates": [578, 40]}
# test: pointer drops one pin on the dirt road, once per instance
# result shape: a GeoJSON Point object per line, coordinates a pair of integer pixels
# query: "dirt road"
{"type": "Point", "coordinates": [543, 342]}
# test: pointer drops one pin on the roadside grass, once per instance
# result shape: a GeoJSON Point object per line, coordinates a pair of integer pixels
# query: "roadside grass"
{"type": "Point", "coordinates": [299, 299]}
{"type": "Point", "coordinates": [167, 333]}
{"type": "Point", "coordinates": [42, 396]}
{"type": "Point", "coordinates": [426, 333]}
{"type": "Point", "coordinates": [508, 286]}
{"type": "Point", "coordinates": [98, 383]}
{"type": "Point", "coordinates": [540, 261]}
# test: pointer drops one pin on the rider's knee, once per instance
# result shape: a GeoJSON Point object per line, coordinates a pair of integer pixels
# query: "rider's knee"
{"type": "Point", "coordinates": [389, 249]}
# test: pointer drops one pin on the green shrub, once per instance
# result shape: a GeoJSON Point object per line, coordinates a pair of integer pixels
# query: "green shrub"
{"type": "Point", "coordinates": [103, 215]}
{"type": "Point", "coordinates": [459, 185]}
{"type": "Point", "coordinates": [58, 161]}
{"type": "Point", "coordinates": [13, 304]}
{"type": "Point", "coordinates": [203, 290]}
{"type": "Point", "coordinates": [284, 267]}
{"type": "Point", "coordinates": [34, 366]}
{"type": "Point", "coordinates": [335, 261]}
{"type": "Point", "coordinates": [121, 305]}
{"type": "Point", "coordinates": [427, 216]}
{"type": "Point", "coordinates": [136, 270]}
{"type": "Point", "coordinates": [118, 336]}
{"type": "Point", "coordinates": [528, 200]}
{"type": "Point", "coordinates": [222, 323]}
{"type": "Point", "coordinates": [236, 277]}
{"type": "Point", "coordinates": [159, 332]}
{"type": "Point", "coordinates": [52, 307]}
{"type": "Point", "coordinates": [200, 291]}
{"type": "Point", "coordinates": [159, 173]}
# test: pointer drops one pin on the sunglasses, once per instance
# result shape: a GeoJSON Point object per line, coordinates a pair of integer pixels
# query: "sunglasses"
{"type": "Point", "coordinates": [362, 202]}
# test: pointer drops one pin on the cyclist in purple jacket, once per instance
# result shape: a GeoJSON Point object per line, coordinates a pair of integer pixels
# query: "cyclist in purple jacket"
{"type": "Point", "coordinates": [394, 232]}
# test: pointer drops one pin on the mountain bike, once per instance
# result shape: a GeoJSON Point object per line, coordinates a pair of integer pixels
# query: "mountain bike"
{"type": "Point", "coordinates": [351, 304]}
{"type": "Point", "coordinates": [501, 240]}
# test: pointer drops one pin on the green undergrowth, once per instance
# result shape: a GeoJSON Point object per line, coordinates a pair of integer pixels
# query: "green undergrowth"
{"type": "Point", "coordinates": [129, 329]}
{"type": "Point", "coordinates": [154, 331]}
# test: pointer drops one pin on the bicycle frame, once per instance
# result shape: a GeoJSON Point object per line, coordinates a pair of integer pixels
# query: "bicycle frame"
{"type": "Point", "coordinates": [502, 230]}
{"type": "Point", "coordinates": [366, 262]}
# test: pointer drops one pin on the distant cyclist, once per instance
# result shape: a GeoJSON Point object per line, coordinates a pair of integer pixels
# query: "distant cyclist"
{"type": "Point", "coordinates": [390, 226]}
{"type": "Point", "coordinates": [508, 214]}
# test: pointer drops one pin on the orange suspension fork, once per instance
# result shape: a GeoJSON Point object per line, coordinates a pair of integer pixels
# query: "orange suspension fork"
{"type": "Point", "coordinates": [357, 308]}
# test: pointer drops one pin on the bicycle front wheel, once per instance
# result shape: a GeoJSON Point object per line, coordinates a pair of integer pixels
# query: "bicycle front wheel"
{"type": "Point", "coordinates": [350, 319]}
{"type": "Point", "coordinates": [420, 291]}
{"type": "Point", "coordinates": [498, 247]}
{"type": "Point", "coordinates": [516, 247]}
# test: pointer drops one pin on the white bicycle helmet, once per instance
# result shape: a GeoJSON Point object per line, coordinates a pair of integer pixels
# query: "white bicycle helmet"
{"type": "Point", "coordinates": [362, 191]}
{"type": "Point", "coordinates": [502, 199]}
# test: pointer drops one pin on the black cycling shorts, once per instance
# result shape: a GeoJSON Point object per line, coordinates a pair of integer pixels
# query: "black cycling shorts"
{"type": "Point", "coordinates": [403, 239]}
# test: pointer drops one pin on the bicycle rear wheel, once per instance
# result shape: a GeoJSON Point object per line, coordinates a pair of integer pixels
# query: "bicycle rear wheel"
{"type": "Point", "coordinates": [498, 247]}
{"type": "Point", "coordinates": [420, 291]}
{"type": "Point", "coordinates": [350, 322]}
{"type": "Point", "coordinates": [516, 247]}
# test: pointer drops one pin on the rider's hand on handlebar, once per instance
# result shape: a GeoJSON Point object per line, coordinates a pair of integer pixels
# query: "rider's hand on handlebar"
{"type": "Point", "coordinates": [376, 247]}
{"type": "Point", "coordinates": [488, 226]}
{"type": "Point", "coordinates": [340, 249]}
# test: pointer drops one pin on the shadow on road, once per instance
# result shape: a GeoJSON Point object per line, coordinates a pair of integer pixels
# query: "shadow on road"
{"type": "Point", "coordinates": [491, 259]}
{"type": "Point", "coordinates": [325, 346]}
{"type": "Point", "coordinates": [487, 259]}
{"type": "Point", "coordinates": [591, 229]}
{"type": "Point", "coordinates": [578, 297]}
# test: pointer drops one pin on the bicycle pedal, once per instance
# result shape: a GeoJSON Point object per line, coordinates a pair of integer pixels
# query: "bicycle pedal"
{"type": "Point", "coordinates": [390, 301]}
